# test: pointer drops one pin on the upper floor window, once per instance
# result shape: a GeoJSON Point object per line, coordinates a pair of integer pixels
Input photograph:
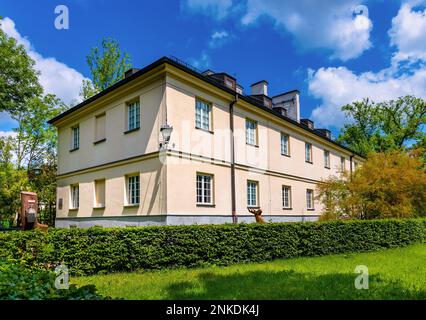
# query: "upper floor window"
{"type": "Point", "coordinates": [100, 127]}
{"type": "Point", "coordinates": [202, 115]}
{"type": "Point", "coordinates": [75, 138]}
{"type": "Point", "coordinates": [204, 188]}
{"type": "Point", "coordinates": [252, 193]}
{"type": "Point", "coordinates": [308, 152]}
{"type": "Point", "coordinates": [285, 144]}
{"type": "Point", "coordinates": [133, 116]}
{"type": "Point", "coordinates": [286, 197]}
{"type": "Point", "coordinates": [251, 132]}
{"type": "Point", "coordinates": [75, 196]}
{"type": "Point", "coordinates": [342, 164]}
{"type": "Point", "coordinates": [133, 190]}
{"type": "Point", "coordinates": [327, 159]}
{"type": "Point", "coordinates": [310, 199]}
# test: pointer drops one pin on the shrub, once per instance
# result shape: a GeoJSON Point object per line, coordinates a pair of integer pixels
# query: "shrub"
{"type": "Point", "coordinates": [94, 250]}
{"type": "Point", "coordinates": [18, 282]}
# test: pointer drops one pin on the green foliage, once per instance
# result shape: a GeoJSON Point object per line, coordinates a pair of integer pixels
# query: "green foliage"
{"type": "Point", "coordinates": [387, 185]}
{"type": "Point", "coordinates": [18, 283]}
{"type": "Point", "coordinates": [18, 79]}
{"type": "Point", "coordinates": [98, 250]}
{"type": "Point", "coordinates": [107, 66]}
{"type": "Point", "coordinates": [379, 127]}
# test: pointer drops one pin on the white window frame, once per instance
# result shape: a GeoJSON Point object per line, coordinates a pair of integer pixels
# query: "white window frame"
{"type": "Point", "coordinates": [75, 137]}
{"type": "Point", "coordinates": [250, 185]}
{"type": "Point", "coordinates": [203, 112]}
{"type": "Point", "coordinates": [74, 196]}
{"type": "Point", "coordinates": [327, 159]}
{"type": "Point", "coordinates": [308, 152]}
{"type": "Point", "coordinates": [342, 164]}
{"type": "Point", "coordinates": [133, 189]}
{"type": "Point", "coordinates": [310, 205]}
{"type": "Point", "coordinates": [133, 115]}
{"type": "Point", "coordinates": [251, 132]}
{"type": "Point", "coordinates": [204, 187]}
{"type": "Point", "coordinates": [285, 144]}
{"type": "Point", "coordinates": [286, 197]}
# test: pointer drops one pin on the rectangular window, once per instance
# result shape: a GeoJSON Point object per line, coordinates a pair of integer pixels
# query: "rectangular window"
{"type": "Point", "coordinates": [133, 112]}
{"type": "Point", "coordinates": [286, 197]}
{"type": "Point", "coordinates": [133, 190]}
{"type": "Point", "coordinates": [327, 159]}
{"type": "Point", "coordinates": [285, 144]}
{"type": "Point", "coordinates": [75, 138]}
{"type": "Point", "coordinates": [308, 152]}
{"type": "Point", "coordinates": [251, 132]}
{"type": "Point", "coordinates": [342, 164]}
{"type": "Point", "coordinates": [204, 188]}
{"type": "Point", "coordinates": [310, 199]}
{"type": "Point", "coordinates": [252, 194]}
{"type": "Point", "coordinates": [75, 196]}
{"type": "Point", "coordinates": [202, 115]}
{"type": "Point", "coordinates": [100, 127]}
{"type": "Point", "coordinates": [100, 193]}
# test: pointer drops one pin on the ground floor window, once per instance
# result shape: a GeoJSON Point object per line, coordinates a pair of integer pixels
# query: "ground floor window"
{"type": "Point", "coordinates": [252, 193]}
{"type": "Point", "coordinates": [204, 188]}
{"type": "Point", "coordinates": [133, 189]}
{"type": "Point", "coordinates": [75, 196]}
{"type": "Point", "coordinates": [286, 197]}
{"type": "Point", "coordinates": [310, 199]}
{"type": "Point", "coordinates": [100, 193]}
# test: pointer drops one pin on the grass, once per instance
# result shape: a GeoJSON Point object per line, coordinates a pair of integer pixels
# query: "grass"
{"type": "Point", "coordinates": [393, 274]}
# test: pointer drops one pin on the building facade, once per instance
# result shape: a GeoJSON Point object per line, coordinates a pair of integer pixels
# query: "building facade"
{"type": "Point", "coordinates": [169, 145]}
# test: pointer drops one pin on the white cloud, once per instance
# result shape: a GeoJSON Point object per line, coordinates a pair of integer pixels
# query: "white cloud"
{"type": "Point", "coordinates": [202, 62]}
{"type": "Point", "coordinates": [216, 8]}
{"type": "Point", "coordinates": [408, 33]}
{"type": "Point", "coordinates": [4, 134]}
{"type": "Point", "coordinates": [335, 25]}
{"type": "Point", "coordinates": [55, 77]}
{"type": "Point", "coordinates": [219, 38]}
{"type": "Point", "coordinates": [330, 24]}
{"type": "Point", "coordinates": [339, 86]}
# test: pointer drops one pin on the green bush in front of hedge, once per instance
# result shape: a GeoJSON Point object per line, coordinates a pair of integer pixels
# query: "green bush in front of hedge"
{"type": "Point", "coordinates": [20, 283]}
{"type": "Point", "coordinates": [103, 250]}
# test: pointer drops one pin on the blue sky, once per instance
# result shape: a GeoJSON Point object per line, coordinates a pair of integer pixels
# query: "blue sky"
{"type": "Point", "coordinates": [333, 51]}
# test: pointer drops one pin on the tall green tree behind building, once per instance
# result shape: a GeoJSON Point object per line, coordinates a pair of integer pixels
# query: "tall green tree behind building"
{"type": "Point", "coordinates": [107, 66]}
{"type": "Point", "coordinates": [18, 78]}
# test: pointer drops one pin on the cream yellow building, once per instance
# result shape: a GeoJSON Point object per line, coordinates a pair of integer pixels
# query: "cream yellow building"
{"type": "Point", "coordinates": [169, 145]}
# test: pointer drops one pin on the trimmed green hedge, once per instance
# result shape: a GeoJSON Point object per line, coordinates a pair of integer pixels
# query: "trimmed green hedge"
{"type": "Point", "coordinates": [95, 250]}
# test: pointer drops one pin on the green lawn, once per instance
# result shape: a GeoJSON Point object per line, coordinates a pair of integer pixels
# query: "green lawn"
{"type": "Point", "coordinates": [394, 274]}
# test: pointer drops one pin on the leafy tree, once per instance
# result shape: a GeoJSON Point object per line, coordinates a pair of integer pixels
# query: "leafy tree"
{"type": "Point", "coordinates": [107, 66]}
{"type": "Point", "coordinates": [34, 136]}
{"type": "Point", "coordinates": [12, 181]}
{"type": "Point", "coordinates": [390, 184]}
{"type": "Point", "coordinates": [18, 79]}
{"type": "Point", "coordinates": [389, 125]}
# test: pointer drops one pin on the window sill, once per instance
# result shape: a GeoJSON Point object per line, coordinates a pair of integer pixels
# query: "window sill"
{"type": "Point", "coordinates": [285, 155]}
{"type": "Point", "coordinates": [73, 209]}
{"type": "Point", "coordinates": [287, 208]}
{"type": "Point", "coordinates": [313, 209]}
{"type": "Point", "coordinates": [310, 162]}
{"type": "Point", "coordinates": [205, 130]}
{"type": "Point", "coordinates": [75, 149]}
{"type": "Point", "coordinates": [253, 207]}
{"type": "Point", "coordinates": [131, 205]}
{"type": "Point", "coordinates": [99, 141]}
{"type": "Point", "coordinates": [206, 205]}
{"type": "Point", "coordinates": [327, 167]}
{"type": "Point", "coordinates": [131, 130]}
{"type": "Point", "coordinates": [252, 145]}
{"type": "Point", "coordinates": [99, 208]}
